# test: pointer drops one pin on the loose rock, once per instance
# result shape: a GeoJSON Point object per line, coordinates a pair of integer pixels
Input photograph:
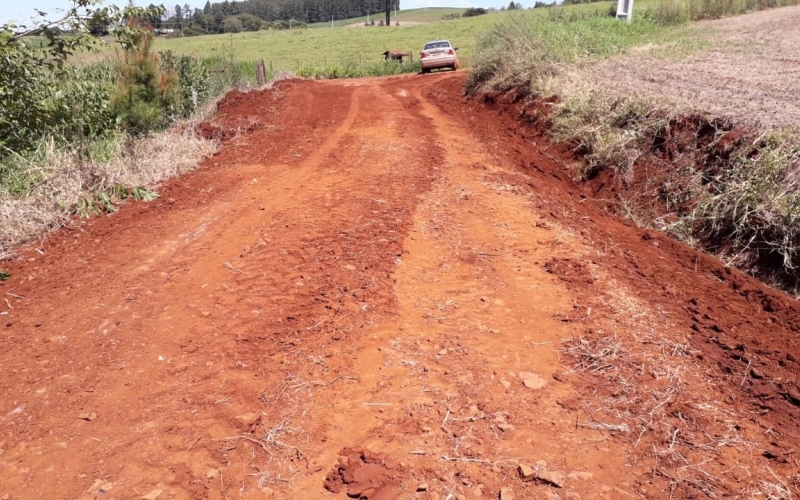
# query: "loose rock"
{"type": "Point", "coordinates": [505, 427]}
{"type": "Point", "coordinates": [532, 380]}
{"type": "Point", "coordinates": [88, 416]}
{"type": "Point", "coordinates": [527, 473]}
{"type": "Point", "coordinates": [249, 418]}
{"type": "Point", "coordinates": [553, 478]}
{"type": "Point", "coordinates": [580, 476]}
{"type": "Point", "coordinates": [153, 495]}
{"type": "Point", "coordinates": [507, 494]}
{"type": "Point", "coordinates": [212, 474]}
{"type": "Point", "coordinates": [422, 487]}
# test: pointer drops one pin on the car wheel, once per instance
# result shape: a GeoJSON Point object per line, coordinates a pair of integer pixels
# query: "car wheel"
{"type": "Point", "coordinates": [426, 71]}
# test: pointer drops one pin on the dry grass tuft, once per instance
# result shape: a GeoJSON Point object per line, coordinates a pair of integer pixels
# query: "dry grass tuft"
{"type": "Point", "coordinates": [663, 402]}
{"type": "Point", "coordinates": [67, 179]}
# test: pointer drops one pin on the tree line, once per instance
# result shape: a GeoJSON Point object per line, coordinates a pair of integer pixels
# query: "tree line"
{"type": "Point", "coordinates": [254, 15]}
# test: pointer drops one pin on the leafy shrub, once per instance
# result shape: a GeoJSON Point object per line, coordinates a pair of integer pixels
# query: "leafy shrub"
{"type": "Point", "coordinates": [194, 81]}
{"type": "Point", "coordinates": [39, 98]}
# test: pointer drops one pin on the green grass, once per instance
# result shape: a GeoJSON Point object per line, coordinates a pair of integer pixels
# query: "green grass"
{"type": "Point", "coordinates": [432, 15]}
{"type": "Point", "coordinates": [344, 46]}
{"type": "Point", "coordinates": [525, 51]}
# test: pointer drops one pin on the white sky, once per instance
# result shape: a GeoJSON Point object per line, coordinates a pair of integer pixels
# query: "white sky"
{"type": "Point", "coordinates": [23, 10]}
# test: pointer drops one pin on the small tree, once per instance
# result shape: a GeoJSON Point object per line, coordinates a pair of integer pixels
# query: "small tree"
{"type": "Point", "coordinates": [146, 96]}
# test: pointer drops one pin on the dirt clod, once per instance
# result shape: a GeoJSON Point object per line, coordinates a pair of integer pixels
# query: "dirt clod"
{"type": "Point", "coordinates": [364, 476]}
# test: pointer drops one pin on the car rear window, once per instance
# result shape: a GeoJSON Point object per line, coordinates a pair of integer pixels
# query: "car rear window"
{"type": "Point", "coordinates": [437, 45]}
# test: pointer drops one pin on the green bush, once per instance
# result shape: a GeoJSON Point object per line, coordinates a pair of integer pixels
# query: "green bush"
{"type": "Point", "coordinates": [194, 81]}
{"type": "Point", "coordinates": [68, 103]}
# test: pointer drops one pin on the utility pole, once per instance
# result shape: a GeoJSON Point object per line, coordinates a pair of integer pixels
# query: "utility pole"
{"type": "Point", "coordinates": [388, 12]}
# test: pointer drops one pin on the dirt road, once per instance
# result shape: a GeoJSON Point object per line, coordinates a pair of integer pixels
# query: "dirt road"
{"type": "Point", "coordinates": [378, 289]}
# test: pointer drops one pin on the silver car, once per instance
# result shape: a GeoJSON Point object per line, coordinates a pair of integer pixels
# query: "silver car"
{"type": "Point", "coordinates": [438, 54]}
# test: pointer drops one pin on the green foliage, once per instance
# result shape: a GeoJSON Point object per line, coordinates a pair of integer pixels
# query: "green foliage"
{"type": "Point", "coordinates": [527, 48]}
{"type": "Point", "coordinates": [138, 193]}
{"type": "Point", "coordinates": [4, 276]}
{"type": "Point", "coordinates": [194, 81]}
{"type": "Point", "coordinates": [752, 203]}
{"type": "Point", "coordinates": [232, 25]}
{"type": "Point", "coordinates": [146, 96]}
{"type": "Point", "coordinates": [249, 22]}
{"type": "Point", "coordinates": [67, 102]}
{"type": "Point", "coordinates": [474, 11]}
{"type": "Point", "coordinates": [104, 202]}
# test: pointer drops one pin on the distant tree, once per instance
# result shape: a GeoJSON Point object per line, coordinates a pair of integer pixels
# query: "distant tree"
{"type": "Point", "coordinates": [249, 22]}
{"type": "Point", "coordinates": [154, 20]}
{"type": "Point", "coordinates": [474, 11]}
{"type": "Point", "coordinates": [514, 6]}
{"type": "Point", "coordinates": [98, 24]}
{"type": "Point", "coordinates": [232, 25]}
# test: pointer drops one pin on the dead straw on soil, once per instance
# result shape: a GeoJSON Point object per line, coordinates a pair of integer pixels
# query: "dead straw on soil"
{"type": "Point", "coordinates": [663, 401]}
{"type": "Point", "coordinates": [70, 179]}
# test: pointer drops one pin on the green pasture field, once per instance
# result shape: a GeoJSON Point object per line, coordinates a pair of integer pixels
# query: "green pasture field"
{"type": "Point", "coordinates": [430, 15]}
{"type": "Point", "coordinates": [342, 45]}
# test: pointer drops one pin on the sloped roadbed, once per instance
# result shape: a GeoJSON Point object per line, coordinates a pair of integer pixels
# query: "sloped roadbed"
{"type": "Point", "coordinates": [379, 290]}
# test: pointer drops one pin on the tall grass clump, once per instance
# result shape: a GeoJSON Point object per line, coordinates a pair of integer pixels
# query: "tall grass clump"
{"type": "Point", "coordinates": [750, 205]}
{"type": "Point", "coordinates": [526, 50]}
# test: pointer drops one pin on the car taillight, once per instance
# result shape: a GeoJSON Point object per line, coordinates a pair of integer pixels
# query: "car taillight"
{"type": "Point", "coordinates": [422, 55]}
{"type": "Point", "coordinates": [451, 52]}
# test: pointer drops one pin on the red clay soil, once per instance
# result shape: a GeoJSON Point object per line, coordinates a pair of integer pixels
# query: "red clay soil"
{"type": "Point", "coordinates": [378, 289]}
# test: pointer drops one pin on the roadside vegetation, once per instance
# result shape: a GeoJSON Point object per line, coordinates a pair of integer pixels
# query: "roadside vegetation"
{"type": "Point", "coordinates": [78, 139]}
{"type": "Point", "coordinates": [725, 186]}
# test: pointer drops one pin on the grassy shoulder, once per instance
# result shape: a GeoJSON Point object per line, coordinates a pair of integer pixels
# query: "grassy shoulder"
{"type": "Point", "coordinates": [729, 187]}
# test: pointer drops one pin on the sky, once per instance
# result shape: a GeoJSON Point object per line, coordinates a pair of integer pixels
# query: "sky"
{"type": "Point", "coordinates": [23, 10]}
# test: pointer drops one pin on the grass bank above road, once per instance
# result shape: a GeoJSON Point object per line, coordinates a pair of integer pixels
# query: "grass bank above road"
{"type": "Point", "coordinates": [723, 182]}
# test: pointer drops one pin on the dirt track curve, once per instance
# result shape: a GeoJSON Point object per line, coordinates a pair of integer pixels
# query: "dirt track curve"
{"type": "Point", "coordinates": [378, 289]}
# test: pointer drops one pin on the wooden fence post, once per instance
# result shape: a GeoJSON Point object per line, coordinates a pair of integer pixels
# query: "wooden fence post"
{"type": "Point", "coordinates": [261, 76]}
